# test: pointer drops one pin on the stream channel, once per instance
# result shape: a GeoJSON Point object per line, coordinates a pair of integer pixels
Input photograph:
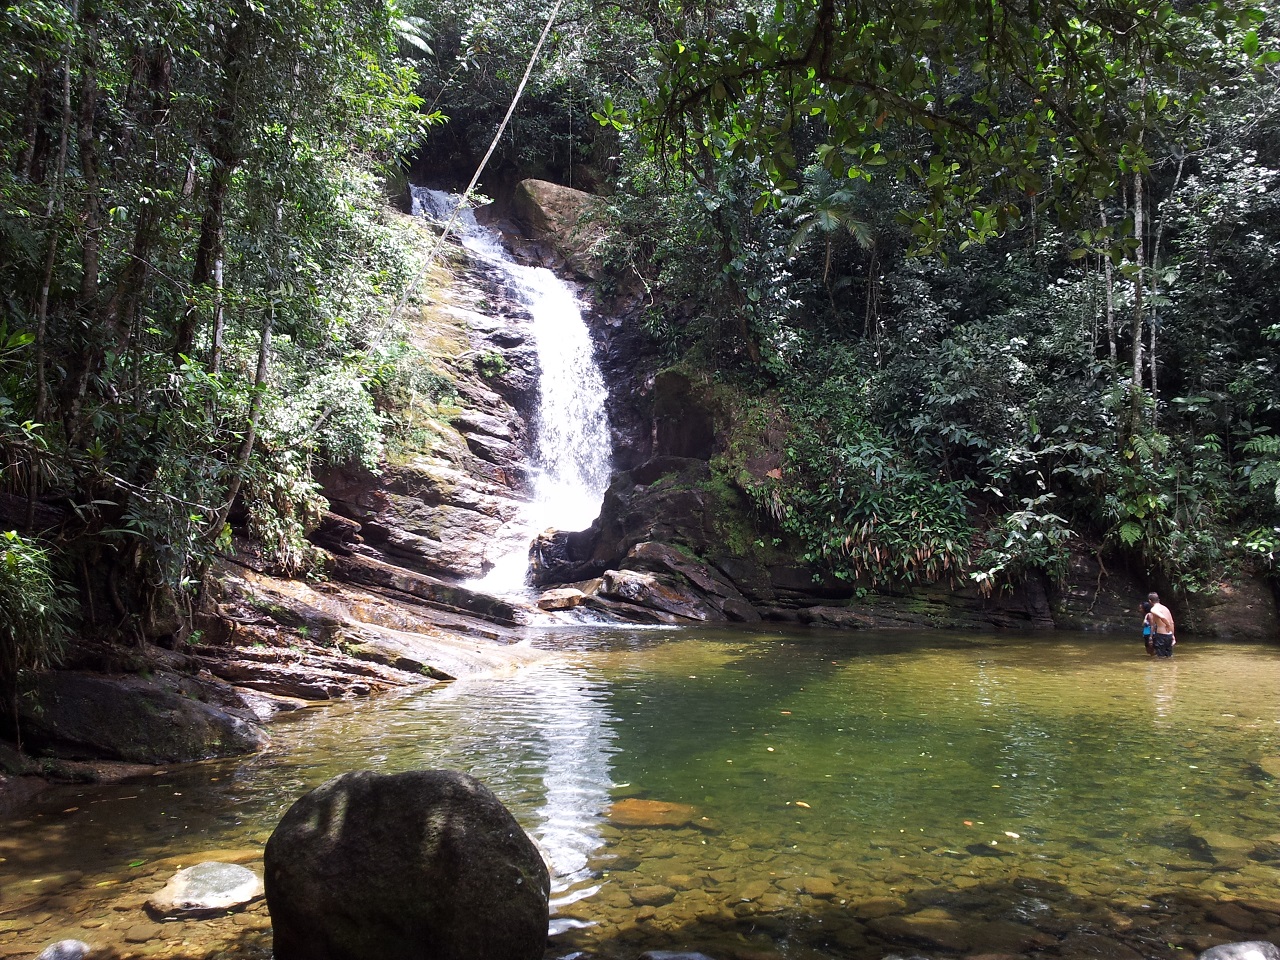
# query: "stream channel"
{"type": "Point", "coordinates": [852, 795]}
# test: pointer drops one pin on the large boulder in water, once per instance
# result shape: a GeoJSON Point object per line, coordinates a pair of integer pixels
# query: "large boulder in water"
{"type": "Point", "coordinates": [425, 865]}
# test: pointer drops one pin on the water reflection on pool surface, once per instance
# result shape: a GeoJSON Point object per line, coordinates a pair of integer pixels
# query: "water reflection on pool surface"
{"type": "Point", "coordinates": [840, 795]}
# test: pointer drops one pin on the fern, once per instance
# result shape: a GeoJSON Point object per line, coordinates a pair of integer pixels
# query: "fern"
{"type": "Point", "coordinates": [1130, 533]}
{"type": "Point", "coordinates": [1263, 472]}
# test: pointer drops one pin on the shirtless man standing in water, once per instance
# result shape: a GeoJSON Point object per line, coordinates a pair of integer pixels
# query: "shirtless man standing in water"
{"type": "Point", "coordinates": [1161, 627]}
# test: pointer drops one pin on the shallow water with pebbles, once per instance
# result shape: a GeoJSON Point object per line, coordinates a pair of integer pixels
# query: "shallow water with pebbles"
{"type": "Point", "coordinates": [847, 795]}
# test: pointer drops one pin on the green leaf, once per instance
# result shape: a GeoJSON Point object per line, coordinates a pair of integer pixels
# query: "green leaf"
{"type": "Point", "coordinates": [1130, 533]}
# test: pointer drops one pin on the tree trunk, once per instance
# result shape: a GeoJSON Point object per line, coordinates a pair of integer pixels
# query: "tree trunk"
{"type": "Point", "coordinates": [208, 261]}
{"type": "Point", "coordinates": [219, 313]}
{"type": "Point", "coordinates": [1111, 295]}
{"type": "Point", "coordinates": [255, 410]}
{"type": "Point", "coordinates": [86, 141]}
{"type": "Point", "coordinates": [53, 209]}
{"type": "Point", "coordinates": [1155, 289]}
{"type": "Point", "coordinates": [1135, 389]}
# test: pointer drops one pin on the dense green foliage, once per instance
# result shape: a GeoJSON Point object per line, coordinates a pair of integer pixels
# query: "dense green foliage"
{"type": "Point", "coordinates": [1099, 374]}
{"type": "Point", "coordinates": [35, 614]}
{"type": "Point", "coordinates": [1008, 274]}
{"type": "Point", "coordinates": [196, 267]}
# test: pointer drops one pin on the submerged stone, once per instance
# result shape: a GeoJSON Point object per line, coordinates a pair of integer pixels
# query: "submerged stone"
{"type": "Point", "coordinates": [66, 950]}
{"type": "Point", "coordinates": [633, 812]}
{"type": "Point", "coordinates": [654, 895]}
{"type": "Point", "coordinates": [205, 889]}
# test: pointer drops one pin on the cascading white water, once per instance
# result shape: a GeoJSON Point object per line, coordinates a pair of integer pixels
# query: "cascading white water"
{"type": "Point", "coordinates": [571, 456]}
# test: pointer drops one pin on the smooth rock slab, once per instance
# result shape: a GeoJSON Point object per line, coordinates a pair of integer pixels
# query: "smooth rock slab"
{"type": "Point", "coordinates": [654, 895]}
{"type": "Point", "coordinates": [206, 889]}
{"type": "Point", "coordinates": [633, 812]}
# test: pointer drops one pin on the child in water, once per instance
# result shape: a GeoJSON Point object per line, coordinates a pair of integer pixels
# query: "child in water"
{"type": "Point", "coordinates": [1147, 639]}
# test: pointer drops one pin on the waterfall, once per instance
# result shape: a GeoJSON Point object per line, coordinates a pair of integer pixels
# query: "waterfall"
{"type": "Point", "coordinates": [570, 459]}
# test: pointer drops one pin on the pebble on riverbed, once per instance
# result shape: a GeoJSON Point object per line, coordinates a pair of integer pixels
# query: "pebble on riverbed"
{"type": "Point", "coordinates": [206, 889]}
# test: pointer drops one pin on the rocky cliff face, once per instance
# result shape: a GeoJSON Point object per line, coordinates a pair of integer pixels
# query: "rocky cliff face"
{"type": "Point", "coordinates": [445, 508]}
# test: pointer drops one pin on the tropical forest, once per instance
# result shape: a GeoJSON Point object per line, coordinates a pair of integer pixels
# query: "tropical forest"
{"type": "Point", "coordinates": [718, 480]}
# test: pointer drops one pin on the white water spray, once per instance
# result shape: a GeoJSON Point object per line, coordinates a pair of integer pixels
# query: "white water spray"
{"type": "Point", "coordinates": [571, 457]}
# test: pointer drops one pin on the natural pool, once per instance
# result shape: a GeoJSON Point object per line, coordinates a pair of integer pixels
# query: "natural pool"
{"type": "Point", "coordinates": [855, 795]}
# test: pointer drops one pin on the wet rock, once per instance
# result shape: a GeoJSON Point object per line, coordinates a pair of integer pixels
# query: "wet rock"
{"type": "Point", "coordinates": [1224, 847]}
{"type": "Point", "coordinates": [1007, 937]}
{"type": "Point", "coordinates": [664, 594]}
{"type": "Point", "coordinates": [568, 221]}
{"type": "Point", "coordinates": [713, 588]}
{"type": "Point", "coordinates": [1246, 950]}
{"type": "Point", "coordinates": [205, 890]}
{"type": "Point", "coordinates": [873, 908]}
{"type": "Point", "coordinates": [143, 933]}
{"type": "Point", "coordinates": [634, 812]}
{"type": "Point", "coordinates": [1237, 918]}
{"type": "Point", "coordinates": [665, 500]}
{"type": "Point", "coordinates": [1096, 945]}
{"type": "Point", "coordinates": [941, 932]}
{"type": "Point", "coordinates": [429, 590]}
{"type": "Point", "coordinates": [564, 598]}
{"type": "Point", "coordinates": [494, 450]}
{"type": "Point", "coordinates": [474, 421]}
{"type": "Point", "coordinates": [753, 891]}
{"type": "Point", "coordinates": [161, 719]}
{"type": "Point", "coordinates": [444, 510]}
{"type": "Point", "coordinates": [425, 864]}
{"type": "Point", "coordinates": [565, 556]}
{"type": "Point", "coordinates": [682, 881]}
{"type": "Point", "coordinates": [672, 955]}
{"type": "Point", "coordinates": [1270, 766]}
{"type": "Point", "coordinates": [66, 950]}
{"type": "Point", "coordinates": [684, 422]}
{"type": "Point", "coordinates": [654, 895]}
{"type": "Point", "coordinates": [1268, 851]}
{"type": "Point", "coordinates": [630, 612]}
{"type": "Point", "coordinates": [301, 677]}
{"type": "Point", "coordinates": [337, 533]}
{"type": "Point", "coordinates": [819, 887]}
{"type": "Point", "coordinates": [1236, 611]}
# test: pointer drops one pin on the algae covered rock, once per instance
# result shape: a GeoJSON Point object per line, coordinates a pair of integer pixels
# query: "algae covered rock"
{"type": "Point", "coordinates": [424, 865]}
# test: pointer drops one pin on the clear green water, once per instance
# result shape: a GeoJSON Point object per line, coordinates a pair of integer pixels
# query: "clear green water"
{"type": "Point", "coordinates": [854, 795]}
